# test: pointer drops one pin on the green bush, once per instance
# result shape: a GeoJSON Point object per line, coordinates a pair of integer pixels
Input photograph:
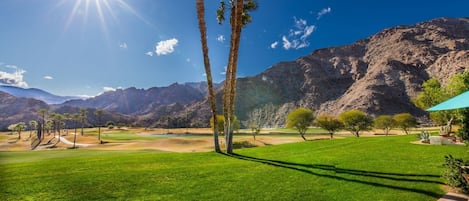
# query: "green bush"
{"type": "Point", "coordinates": [453, 174]}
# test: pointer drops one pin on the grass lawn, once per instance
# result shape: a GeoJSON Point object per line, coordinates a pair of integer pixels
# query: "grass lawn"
{"type": "Point", "coordinates": [379, 168]}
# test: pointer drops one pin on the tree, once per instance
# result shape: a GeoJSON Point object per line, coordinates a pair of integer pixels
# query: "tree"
{"type": "Point", "coordinates": [58, 120]}
{"type": "Point", "coordinates": [220, 121]}
{"type": "Point", "coordinates": [433, 93]}
{"type": "Point", "coordinates": [329, 123]}
{"type": "Point", "coordinates": [99, 113]}
{"type": "Point", "coordinates": [238, 19]}
{"type": "Point", "coordinates": [200, 4]}
{"type": "Point", "coordinates": [355, 121]}
{"type": "Point", "coordinates": [83, 112]}
{"type": "Point", "coordinates": [18, 127]}
{"type": "Point", "coordinates": [385, 122]}
{"type": "Point", "coordinates": [300, 119]}
{"type": "Point", "coordinates": [32, 126]}
{"type": "Point", "coordinates": [405, 121]}
{"type": "Point", "coordinates": [67, 117]}
{"type": "Point", "coordinates": [76, 118]}
{"type": "Point", "coordinates": [43, 112]}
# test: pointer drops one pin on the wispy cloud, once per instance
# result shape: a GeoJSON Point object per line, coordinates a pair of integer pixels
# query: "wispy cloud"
{"type": "Point", "coordinates": [123, 45]}
{"type": "Point", "coordinates": [298, 35]}
{"type": "Point", "coordinates": [323, 12]}
{"type": "Point", "coordinates": [274, 45]}
{"type": "Point", "coordinates": [166, 47]}
{"type": "Point", "coordinates": [221, 38]}
{"type": "Point", "coordinates": [149, 54]}
{"type": "Point", "coordinates": [14, 78]}
{"type": "Point", "coordinates": [48, 77]}
{"type": "Point", "coordinates": [224, 71]}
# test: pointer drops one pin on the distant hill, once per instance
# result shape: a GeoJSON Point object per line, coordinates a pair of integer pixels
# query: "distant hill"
{"type": "Point", "coordinates": [37, 94]}
{"type": "Point", "coordinates": [133, 101]}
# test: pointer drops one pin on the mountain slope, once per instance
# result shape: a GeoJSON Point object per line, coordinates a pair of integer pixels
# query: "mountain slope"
{"type": "Point", "coordinates": [140, 101]}
{"type": "Point", "coordinates": [379, 75]}
{"type": "Point", "coordinates": [14, 110]}
{"type": "Point", "coordinates": [37, 94]}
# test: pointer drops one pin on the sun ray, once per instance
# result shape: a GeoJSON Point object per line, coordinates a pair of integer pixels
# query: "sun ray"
{"type": "Point", "coordinates": [73, 13]}
{"type": "Point", "coordinates": [109, 9]}
{"type": "Point", "coordinates": [101, 19]}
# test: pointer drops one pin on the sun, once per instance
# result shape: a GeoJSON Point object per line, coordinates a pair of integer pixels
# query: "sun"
{"type": "Point", "coordinates": [102, 11]}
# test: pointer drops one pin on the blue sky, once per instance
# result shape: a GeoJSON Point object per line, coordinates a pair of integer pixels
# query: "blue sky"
{"type": "Point", "coordinates": [85, 47]}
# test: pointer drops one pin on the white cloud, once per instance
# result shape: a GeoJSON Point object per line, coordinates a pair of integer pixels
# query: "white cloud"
{"type": "Point", "coordinates": [166, 46]}
{"type": "Point", "coordinates": [149, 54]}
{"type": "Point", "coordinates": [224, 72]}
{"type": "Point", "coordinates": [323, 12]}
{"type": "Point", "coordinates": [15, 78]}
{"type": "Point", "coordinates": [123, 45]}
{"type": "Point", "coordinates": [299, 34]}
{"type": "Point", "coordinates": [106, 89]}
{"type": "Point", "coordinates": [48, 77]}
{"type": "Point", "coordinates": [274, 45]}
{"type": "Point", "coordinates": [205, 74]}
{"type": "Point", "coordinates": [286, 44]}
{"type": "Point", "coordinates": [221, 38]}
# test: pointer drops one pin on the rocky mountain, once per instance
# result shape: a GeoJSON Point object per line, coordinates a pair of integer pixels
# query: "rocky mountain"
{"type": "Point", "coordinates": [379, 75]}
{"type": "Point", "coordinates": [133, 101]}
{"type": "Point", "coordinates": [14, 110]}
{"type": "Point", "coordinates": [37, 94]}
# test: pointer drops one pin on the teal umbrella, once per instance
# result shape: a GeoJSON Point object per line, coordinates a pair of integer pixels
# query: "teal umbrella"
{"type": "Point", "coordinates": [457, 102]}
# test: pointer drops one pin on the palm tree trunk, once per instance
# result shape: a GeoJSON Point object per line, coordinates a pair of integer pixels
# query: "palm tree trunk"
{"type": "Point", "coordinates": [236, 24]}
{"type": "Point", "coordinates": [211, 95]}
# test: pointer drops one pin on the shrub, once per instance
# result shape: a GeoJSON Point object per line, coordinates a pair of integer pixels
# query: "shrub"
{"type": "Point", "coordinates": [454, 173]}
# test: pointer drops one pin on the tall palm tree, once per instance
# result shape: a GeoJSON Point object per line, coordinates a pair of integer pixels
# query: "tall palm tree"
{"type": "Point", "coordinates": [76, 119]}
{"type": "Point", "coordinates": [211, 95]}
{"type": "Point", "coordinates": [67, 117]}
{"type": "Point", "coordinates": [83, 112]}
{"type": "Point", "coordinates": [32, 126]}
{"type": "Point", "coordinates": [238, 19]}
{"type": "Point", "coordinates": [58, 118]}
{"type": "Point", "coordinates": [43, 112]}
{"type": "Point", "coordinates": [19, 127]}
{"type": "Point", "coordinates": [99, 113]}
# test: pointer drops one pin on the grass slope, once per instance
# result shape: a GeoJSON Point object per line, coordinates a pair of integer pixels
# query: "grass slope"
{"type": "Point", "coordinates": [381, 168]}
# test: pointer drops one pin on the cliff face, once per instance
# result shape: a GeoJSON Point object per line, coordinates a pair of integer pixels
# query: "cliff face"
{"type": "Point", "coordinates": [379, 75]}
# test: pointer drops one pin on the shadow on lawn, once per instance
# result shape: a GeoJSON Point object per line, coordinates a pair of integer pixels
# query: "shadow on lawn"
{"type": "Point", "coordinates": [307, 168]}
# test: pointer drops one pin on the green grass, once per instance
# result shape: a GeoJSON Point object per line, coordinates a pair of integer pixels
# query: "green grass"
{"type": "Point", "coordinates": [379, 168]}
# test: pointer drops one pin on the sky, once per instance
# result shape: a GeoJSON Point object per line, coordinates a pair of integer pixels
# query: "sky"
{"type": "Point", "coordinates": [86, 47]}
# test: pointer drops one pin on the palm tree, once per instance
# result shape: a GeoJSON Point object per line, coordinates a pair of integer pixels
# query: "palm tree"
{"type": "Point", "coordinates": [43, 112]}
{"type": "Point", "coordinates": [32, 126]}
{"type": "Point", "coordinates": [99, 113]}
{"type": "Point", "coordinates": [238, 19]}
{"type": "Point", "coordinates": [67, 117]}
{"type": "Point", "coordinates": [203, 38]}
{"type": "Point", "coordinates": [58, 118]}
{"type": "Point", "coordinates": [83, 112]}
{"type": "Point", "coordinates": [76, 118]}
{"type": "Point", "coordinates": [19, 127]}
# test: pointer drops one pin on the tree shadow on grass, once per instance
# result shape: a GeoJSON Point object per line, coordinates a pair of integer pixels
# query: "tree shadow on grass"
{"type": "Point", "coordinates": [308, 168]}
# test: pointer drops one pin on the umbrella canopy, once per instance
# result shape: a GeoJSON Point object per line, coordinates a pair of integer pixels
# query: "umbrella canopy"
{"type": "Point", "coordinates": [459, 101]}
